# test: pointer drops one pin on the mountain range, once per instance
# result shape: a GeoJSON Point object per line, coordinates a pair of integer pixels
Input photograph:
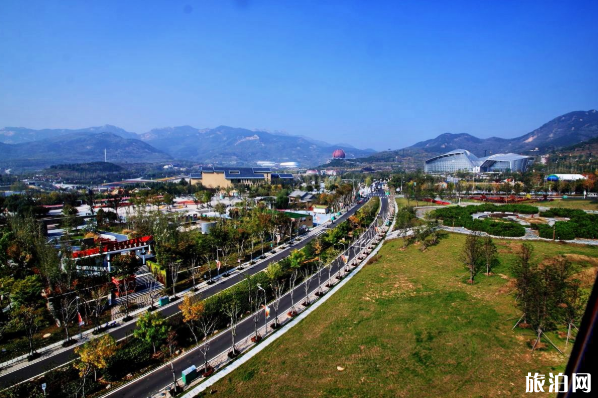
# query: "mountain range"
{"type": "Point", "coordinates": [79, 147]}
{"type": "Point", "coordinates": [237, 146]}
{"type": "Point", "coordinates": [569, 129]}
{"type": "Point", "coordinates": [221, 145]}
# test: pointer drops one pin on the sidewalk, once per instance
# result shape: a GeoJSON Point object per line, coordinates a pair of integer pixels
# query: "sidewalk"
{"type": "Point", "coordinates": [53, 349]}
{"type": "Point", "coordinates": [224, 365]}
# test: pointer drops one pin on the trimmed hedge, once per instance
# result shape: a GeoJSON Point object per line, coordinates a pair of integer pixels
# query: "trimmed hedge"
{"type": "Point", "coordinates": [462, 217]}
{"type": "Point", "coordinates": [561, 230]}
{"type": "Point", "coordinates": [160, 273]}
{"type": "Point", "coordinates": [497, 228]}
{"type": "Point", "coordinates": [580, 225]}
{"type": "Point", "coordinates": [568, 213]}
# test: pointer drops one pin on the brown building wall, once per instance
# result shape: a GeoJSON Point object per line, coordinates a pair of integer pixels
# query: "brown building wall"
{"type": "Point", "coordinates": [213, 180]}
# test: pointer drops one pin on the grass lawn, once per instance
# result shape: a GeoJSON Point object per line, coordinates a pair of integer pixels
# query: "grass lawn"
{"type": "Point", "coordinates": [409, 326]}
{"type": "Point", "coordinates": [583, 204]}
{"type": "Point", "coordinates": [414, 203]}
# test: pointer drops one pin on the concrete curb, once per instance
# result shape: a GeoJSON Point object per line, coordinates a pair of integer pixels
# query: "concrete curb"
{"type": "Point", "coordinates": [254, 351]}
{"type": "Point", "coordinates": [17, 363]}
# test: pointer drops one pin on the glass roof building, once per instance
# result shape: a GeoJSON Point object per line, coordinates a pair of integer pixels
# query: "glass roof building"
{"type": "Point", "coordinates": [452, 162]}
{"type": "Point", "coordinates": [505, 162]}
{"type": "Point", "coordinates": [463, 160]}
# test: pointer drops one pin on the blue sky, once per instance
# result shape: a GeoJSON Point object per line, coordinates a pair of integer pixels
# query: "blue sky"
{"type": "Point", "coordinates": [371, 73]}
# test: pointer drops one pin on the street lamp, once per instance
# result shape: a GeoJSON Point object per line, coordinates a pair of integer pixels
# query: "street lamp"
{"type": "Point", "coordinates": [345, 245]}
{"type": "Point", "coordinates": [265, 312]}
{"type": "Point", "coordinates": [218, 261]}
{"type": "Point", "coordinates": [173, 377]}
{"type": "Point", "coordinates": [78, 322]}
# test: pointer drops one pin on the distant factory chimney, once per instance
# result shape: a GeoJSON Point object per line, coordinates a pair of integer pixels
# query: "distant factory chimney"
{"type": "Point", "coordinates": [105, 161]}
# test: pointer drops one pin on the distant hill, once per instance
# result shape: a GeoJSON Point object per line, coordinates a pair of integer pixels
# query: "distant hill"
{"type": "Point", "coordinates": [588, 148]}
{"type": "Point", "coordinates": [563, 131]}
{"type": "Point", "coordinates": [92, 167]}
{"type": "Point", "coordinates": [221, 145]}
{"type": "Point", "coordinates": [79, 148]}
{"type": "Point", "coordinates": [230, 145]}
{"type": "Point", "coordinates": [18, 135]}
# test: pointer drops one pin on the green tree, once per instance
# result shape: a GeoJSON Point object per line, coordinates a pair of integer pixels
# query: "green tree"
{"type": "Point", "coordinates": [27, 318]}
{"type": "Point", "coordinates": [274, 271]}
{"type": "Point", "coordinates": [125, 264]}
{"type": "Point", "coordinates": [297, 258]}
{"type": "Point", "coordinates": [220, 208]}
{"type": "Point", "coordinates": [489, 252]}
{"type": "Point", "coordinates": [94, 355]}
{"type": "Point", "coordinates": [168, 200]}
{"type": "Point", "coordinates": [27, 291]}
{"type": "Point", "coordinates": [198, 197]}
{"type": "Point", "coordinates": [524, 271]}
{"type": "Point", "coordinates": [471, 254]}
{"type": "Point", "coordinates": [207, 197]}
{"type": "Point", "coordinates": [152, 328]}
{"type": "Point", "coordinates": [282, 200]}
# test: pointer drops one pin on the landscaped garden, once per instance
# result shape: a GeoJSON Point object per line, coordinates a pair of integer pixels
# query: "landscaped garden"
{"type": "Point", "coordinates": [455, 216]}
{"type": "Point", "coordinates": [579, 225]}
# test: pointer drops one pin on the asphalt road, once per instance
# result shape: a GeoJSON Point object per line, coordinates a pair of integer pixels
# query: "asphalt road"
{"type": "Point", "coordinates": [37, 368]}
{"type": "Point", "coordinates": [153, 382]}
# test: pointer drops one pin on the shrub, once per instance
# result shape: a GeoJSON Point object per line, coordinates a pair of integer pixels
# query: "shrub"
{"type": "Point", "coordinates": [557, 212]}
{"type": "Point", "coordinates": [581, 225]}
{"type": "Point", "coordinates": [137, 352]}
{"type": "Point", "coordinates": [461, 217]}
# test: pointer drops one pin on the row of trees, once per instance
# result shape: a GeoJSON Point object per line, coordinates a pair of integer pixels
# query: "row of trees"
{"type": "Point", "coordinates": [103, 357]}
{"type": "Point", "coordinates": [548, 294]}
{"type": "Point", "coordinates": [479, 253]}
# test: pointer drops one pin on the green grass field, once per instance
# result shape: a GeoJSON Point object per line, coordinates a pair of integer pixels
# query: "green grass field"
{"type": "Point", "coordinates": [412, 202]}
{"type": "Point", "coordinates": [409, 326]}
{"type": "Point", "coordinates": [583, 204]}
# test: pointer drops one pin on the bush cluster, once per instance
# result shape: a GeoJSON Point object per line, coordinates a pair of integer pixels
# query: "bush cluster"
{"type": "Point", "coordinates": [462, 217]}
{"type": "Point", "coordinates": [580, 225]}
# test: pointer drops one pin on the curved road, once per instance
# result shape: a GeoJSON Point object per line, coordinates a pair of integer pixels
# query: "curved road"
{"type": "Point", "coordinates": [156, 380]}
{"type": "Point", "coordinates": [59, 359]}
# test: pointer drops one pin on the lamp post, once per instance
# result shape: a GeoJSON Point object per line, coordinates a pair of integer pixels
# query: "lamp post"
{"type": "Point", "coordinates": [143, 252]}
{"type": "Point", "coordinates": [173, 377]}
{"type": "Point", "coordinates": [265, 311]}
{"type": "Point", "coordinates": [344, 244]}
{"type": "Point", "coordinates": [218, 262]}
{"type": "Point", "coordinates": [78, 322]}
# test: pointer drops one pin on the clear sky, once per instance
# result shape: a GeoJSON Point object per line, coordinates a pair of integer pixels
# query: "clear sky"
{"type": "Point", "coordinates": [370, 73]}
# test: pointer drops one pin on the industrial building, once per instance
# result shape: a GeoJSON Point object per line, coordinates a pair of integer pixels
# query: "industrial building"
{"type": "Point", "coordinates": [463, 160]}
{"type": "Point", "coordinates": [225, 177]}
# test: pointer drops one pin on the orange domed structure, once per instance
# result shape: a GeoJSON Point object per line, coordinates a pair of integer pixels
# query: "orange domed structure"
{"type": "Point", "coordinates": [338, 154]}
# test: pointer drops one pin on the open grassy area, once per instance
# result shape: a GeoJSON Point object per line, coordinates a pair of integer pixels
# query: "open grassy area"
{"type": "Point", "coordinates": [414, 203]}
{"type": "Point", "coordinates": [409, 326]}
{"type": "Point", "coordinates": [583, 204]}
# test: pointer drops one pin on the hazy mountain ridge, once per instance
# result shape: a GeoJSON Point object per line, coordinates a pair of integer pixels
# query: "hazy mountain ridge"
{"type": "Point", "coordinates": [566, 130]}
{"type": "Point", "coordinates": [18, 135]}
{"type": "Point", "coordinates": [232, 145]}
{"type": "Point", "coordinates": [81, 147]}
{"type": "Point", "coordinates": [222, 145]}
